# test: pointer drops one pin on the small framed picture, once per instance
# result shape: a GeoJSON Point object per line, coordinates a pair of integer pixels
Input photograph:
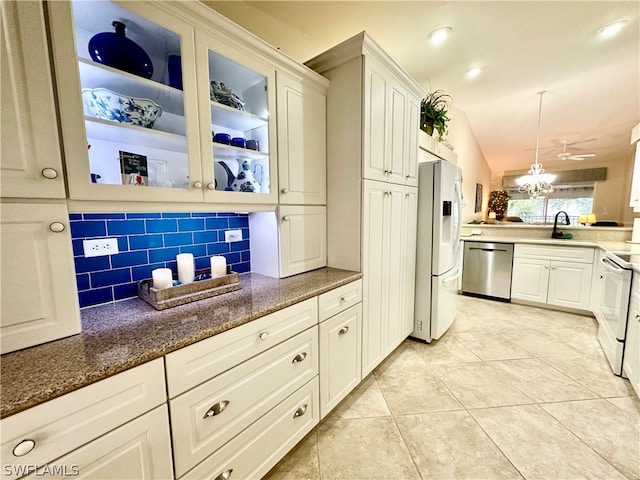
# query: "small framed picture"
{"type": "Point", "coordinates": [478, 207]}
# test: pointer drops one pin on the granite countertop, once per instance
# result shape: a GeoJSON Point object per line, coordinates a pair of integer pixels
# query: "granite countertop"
{"type": "Point", "coordinates": [608, 245]}
{"type": "Point", "coordinates": [119, 336]}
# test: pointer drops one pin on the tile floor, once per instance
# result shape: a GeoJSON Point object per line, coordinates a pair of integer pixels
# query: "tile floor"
{"type": "Point", "coordinates": [510, 391]}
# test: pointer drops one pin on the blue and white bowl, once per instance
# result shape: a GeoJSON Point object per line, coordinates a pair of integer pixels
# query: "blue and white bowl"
{"type": "Point", "coordinates": [108, 105]}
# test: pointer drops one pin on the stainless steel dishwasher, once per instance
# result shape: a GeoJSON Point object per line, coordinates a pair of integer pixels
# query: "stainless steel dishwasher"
{"type": "Point", "coordinates": [487, 269]}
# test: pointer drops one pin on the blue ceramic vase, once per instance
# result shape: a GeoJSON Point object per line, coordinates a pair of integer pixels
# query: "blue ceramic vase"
{"type": "Point", "coordinates": [118, 51]}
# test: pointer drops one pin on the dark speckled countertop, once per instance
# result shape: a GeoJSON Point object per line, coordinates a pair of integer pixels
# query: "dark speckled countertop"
{"type": "Point", "coordinates": [122, 335]}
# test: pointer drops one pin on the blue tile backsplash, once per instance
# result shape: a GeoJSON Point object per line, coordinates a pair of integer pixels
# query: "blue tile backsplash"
{"type": "Point", "coordinates": [147, 241]}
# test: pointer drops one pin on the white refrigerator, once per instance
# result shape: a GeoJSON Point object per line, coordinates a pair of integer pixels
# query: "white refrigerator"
{"type": "Point", "coordinates": [438, 259]}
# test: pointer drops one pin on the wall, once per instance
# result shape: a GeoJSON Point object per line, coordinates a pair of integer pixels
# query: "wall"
{"type": "Point", "coordinates": [472, 162]}
{"type": "Point", "coordinates": [147, 241]}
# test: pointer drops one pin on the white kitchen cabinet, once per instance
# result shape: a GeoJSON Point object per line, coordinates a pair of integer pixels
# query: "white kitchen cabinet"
{"type": "Point", "coordinates": [557, 276]}
{"type": "Point", "coordinates": [297, 232]}
{"type": "Point", "coordinates": [39, 296]}
{"type": "Point", "coordinates": [302, 156]}
{"type": "Point", "coordinates": [29, 145]}
{"type": "Point", "coordinates": [208, 416]}
{"type": "Point", "coordinates": [184, 163]}
{"type": "Point", "coordinates": [46, 432]}
{"type": "Point", "coordinates": [139, 449]}
{"type": "Point", "coordinates": [372, 149]}
{"type": "Point", "coordinates": [631, 359]}
{"type": "Point", "coordinates": [410, 232]}
{"type": "Point", "coordinates": [340, 357]}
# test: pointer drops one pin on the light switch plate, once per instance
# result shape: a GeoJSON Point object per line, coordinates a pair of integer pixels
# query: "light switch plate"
{"type": "Point", "coordinates": [99, 247]}
{"type": "Point", "coordinates": [233, 236]}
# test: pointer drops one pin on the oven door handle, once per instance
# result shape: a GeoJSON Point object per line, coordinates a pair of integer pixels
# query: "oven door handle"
{"type": "Point", "coordinates": [611, 265]}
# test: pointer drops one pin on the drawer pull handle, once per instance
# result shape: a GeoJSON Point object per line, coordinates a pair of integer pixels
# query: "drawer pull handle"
{"type": "Point", "coordinates": [216, 409]}
{"type": "Point", "coordinates": [299, 357]}
{"type": "Point", "coordinates": [24, 447]}
{"type": "Point", "coordinates": [57, 227]}
{"type": "Point", "coordinates": [343, 330]}
{"type": "Point", "coordinates": [226, 475]}
{"type": "Point", "coordinates": [263, 336]}
{"type": "Point", "coordinates": [300, 411]}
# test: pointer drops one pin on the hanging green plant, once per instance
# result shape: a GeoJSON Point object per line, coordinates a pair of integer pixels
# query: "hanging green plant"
{"type": "Point", "coordinates": [433, 113]}
{"type": "Point", "coordinates": [498, 203]}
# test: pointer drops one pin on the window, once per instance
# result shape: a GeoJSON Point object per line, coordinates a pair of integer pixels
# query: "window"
{"type": "Point", "coordinates": [573, 200]}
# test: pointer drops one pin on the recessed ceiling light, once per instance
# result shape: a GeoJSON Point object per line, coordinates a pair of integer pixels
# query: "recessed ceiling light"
{"type": "Point", "coordinates": [474, 72]}
{"type": "Point", "coordinates": [439, 35]}
{"type": "Point", "coordinates": [612, 29]}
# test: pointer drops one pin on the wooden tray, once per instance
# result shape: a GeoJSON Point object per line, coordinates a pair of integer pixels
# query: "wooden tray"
{"type": "Point", "coordinates": [187, 293]}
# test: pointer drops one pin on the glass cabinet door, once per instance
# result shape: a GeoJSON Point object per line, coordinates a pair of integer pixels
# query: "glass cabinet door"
{"type": "Point", "coordinates": [130, 64]}
{"type": "Point", "coordinates": [237, 98]}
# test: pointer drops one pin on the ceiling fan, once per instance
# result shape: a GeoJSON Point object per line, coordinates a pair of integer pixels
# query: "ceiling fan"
{"type": "Point", "coordinates": [564, 155]}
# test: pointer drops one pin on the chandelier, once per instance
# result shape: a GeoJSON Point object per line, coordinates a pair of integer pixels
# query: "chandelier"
{"type": "Point", "coordinates": [536, 182]}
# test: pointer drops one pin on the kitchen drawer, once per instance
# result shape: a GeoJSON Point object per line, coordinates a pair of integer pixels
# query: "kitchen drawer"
{"type": "Point", "coordinates": [67, 422]}
{"type": "Point", "coordinates": [139, 449]}
{"type": "Point", "coordinates": [255, 451]}
{"type": "Point", "coordinates": [340, 357]}
{"type": "Point", "coordinates": [339, 299]}
{"type": "Point", "coordinates": [571, 254]}
{"type": "Point", "coordinates": [205, 418]}
{"type": "Point", "coordinates": [197, 363]}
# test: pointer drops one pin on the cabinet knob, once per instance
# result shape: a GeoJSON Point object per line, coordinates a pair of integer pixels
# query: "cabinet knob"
{"type": "Point", "coordinates": [197, 184]}
{"type": "Point", "coordinates": [211, 186]}
{"type": "Point", "coordinates": [299, 357]}
{"type": "Point", "coordinates": [600, 277]}
{"type": "Point", "coordinates": [343, 299]}
{"type": "Point", "coordinates": [285, 218]}
{"type": "Point", "coordinates": [49, 173]}
{"type": "Point", "coordinates": [57, 227]}
{"type": "Point", "coordinates": [301, 411]}
{"type": "Point", "coordinates": [226, 475]}
{"type": "Point", "coordinates": [216, 409]}
{"type": "Point", "coordinates": [263, 336]}
{"type": "Point", "coordinates": [285, 190]}
{"type": "Point", "coordinates": [24, 447]}
{"type": "Point", "coordinates": [553, 267]}
{"type": "Point", "coordinates": [638, 316]}
{"type": "Point", "coordinates": [343, 330]}
{"type": "Point", "coordinates": [409, 177]}
{"type": "Point", "coordinates": [546, 267]}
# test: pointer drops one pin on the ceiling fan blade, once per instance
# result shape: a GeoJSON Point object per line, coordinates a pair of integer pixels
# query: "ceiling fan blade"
{"type": "Point", "coordinates": [578, 142]}
{"type": "Point", "coordinates": [582, 156]}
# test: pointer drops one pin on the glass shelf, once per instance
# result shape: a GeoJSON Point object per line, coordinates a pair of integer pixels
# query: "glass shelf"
{"type": "Point", "coordinates": [95, 75]}
{"type": "Point", "coordinates": [235, 119]}
{"type": "Point", "coordinates": [225, 152]}
{"type": "Point", "coordinates": [134, 135]}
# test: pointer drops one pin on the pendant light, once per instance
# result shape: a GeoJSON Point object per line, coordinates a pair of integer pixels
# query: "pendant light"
{"type": "Point", "coordinates": [536, 182]}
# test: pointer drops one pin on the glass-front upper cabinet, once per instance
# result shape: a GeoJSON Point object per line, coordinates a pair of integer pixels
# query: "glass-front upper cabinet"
{"type": "Point", "coordinates": [131, 78]}
{"type": "Point", "coordinates": [237, 97]}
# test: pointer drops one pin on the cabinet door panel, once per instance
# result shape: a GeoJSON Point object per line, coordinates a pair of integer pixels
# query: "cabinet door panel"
{"type": "Point", "coordinates": [631, 359]}
{"type": "Point", "coordinates": [530, 279]}
{"type": "Point", "coordinates": [375, 121]}
{"type": "Point", "coordinates": [397, 133]}
{"type": "Point", "coordinates": [302, 155]}
{"type": "Point", "coordinates": [409, 229]}
{"type": "Point", "coordinates": [374, 272]}
{"type": "Point", "coordinates": [395, 267]}
{"type": "Point", "coordinates": [340, 357]}
{"type": "Point", "coordinates": [29, 135]}
{"type": "Point", "coordinates": [570, 284]}
{"type": "Point", "coordinates": [303, 239]}
{"type": "Point", "coordinates": [413, 127]}
{"type": "Point", "coordinates": [140, 449]}
{"type": "Point", "coordinates": [39, 297]}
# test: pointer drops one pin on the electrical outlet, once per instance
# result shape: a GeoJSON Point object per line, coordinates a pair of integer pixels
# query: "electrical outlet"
{"type": "Point", "coordinates": [98, 247]}
{"type": "Point", "coordinates": [233, 236]}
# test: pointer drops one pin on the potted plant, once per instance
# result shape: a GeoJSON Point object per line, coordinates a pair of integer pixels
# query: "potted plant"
{"type": "Point", "coordinates": [433, 113]}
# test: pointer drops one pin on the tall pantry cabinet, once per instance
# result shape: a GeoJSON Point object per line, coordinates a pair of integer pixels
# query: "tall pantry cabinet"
{"type": "Point", "coordinates": [373, 111]}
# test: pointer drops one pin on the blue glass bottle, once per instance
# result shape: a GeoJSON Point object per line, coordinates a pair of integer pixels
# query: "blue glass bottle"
{"type": "Point", "coordinates": [118, 51]}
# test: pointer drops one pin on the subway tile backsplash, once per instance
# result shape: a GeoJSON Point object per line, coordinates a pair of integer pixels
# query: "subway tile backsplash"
{"type": "Point", "coordinates": [147, 241]}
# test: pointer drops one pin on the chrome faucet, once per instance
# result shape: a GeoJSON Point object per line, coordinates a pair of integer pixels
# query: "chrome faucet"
{"type": "Point", "coordinates": [555, 233]}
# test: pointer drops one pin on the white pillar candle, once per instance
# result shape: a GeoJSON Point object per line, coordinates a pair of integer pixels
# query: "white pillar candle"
{"type": "Point", "coordinates": [162, 278]}
{"type": "Point", "coordinates": [218, 266]}
{"type": "Point", "coordinates": [186, 268]}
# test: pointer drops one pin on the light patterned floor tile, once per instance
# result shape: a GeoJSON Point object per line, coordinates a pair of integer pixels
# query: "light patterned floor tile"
{"type": "Point", "coordinates": [539, 343]}
{"type": "Point", "coordinates": [366, 401]}
{"type": "Point", "coordinates": [493, 347]}
{"type": "Point", "coordinates": [300, 464]}
{"type": "Point", "coordinates": [609, 430]}
{"type": "Point", "coordinates": [446, 350]}
{"type": "Point", "coordinates": [450, 445]}
{"type": "Point", "coordinates": [478, 385]}
{"type": "Point", "coordinates": [540, 447]}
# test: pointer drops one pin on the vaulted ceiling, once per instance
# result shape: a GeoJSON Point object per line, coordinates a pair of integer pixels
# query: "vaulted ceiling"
{"type": "Point", "coordinates": [592, 84]}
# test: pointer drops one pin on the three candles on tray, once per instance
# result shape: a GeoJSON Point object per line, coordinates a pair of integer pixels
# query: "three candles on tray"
{"type": "Point", "coordinates": [163, 277]}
